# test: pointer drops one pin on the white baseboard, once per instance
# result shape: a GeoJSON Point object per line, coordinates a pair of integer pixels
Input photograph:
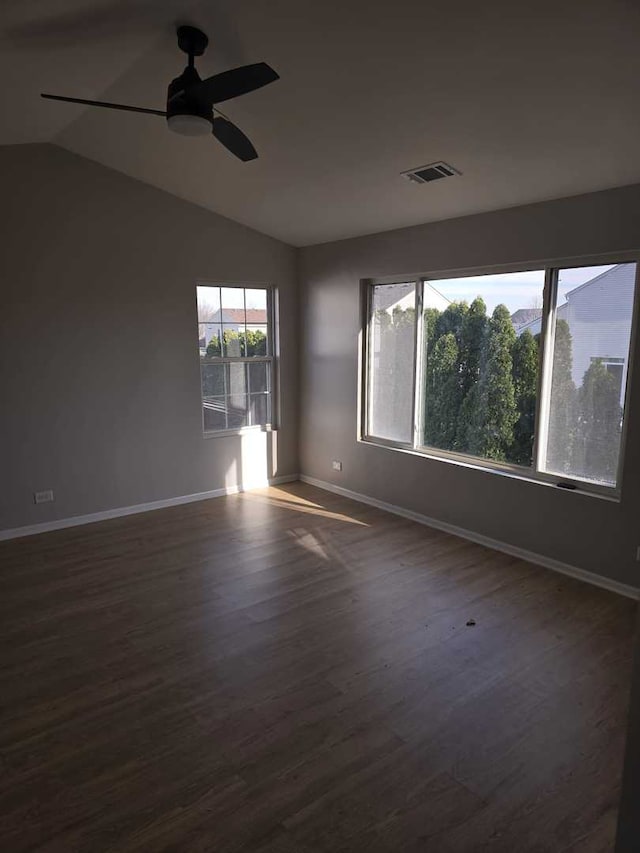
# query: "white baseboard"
{"type": "Point", "coordinates": [118, 512]}
{"type": "Point", "coordinates": [496, 544]}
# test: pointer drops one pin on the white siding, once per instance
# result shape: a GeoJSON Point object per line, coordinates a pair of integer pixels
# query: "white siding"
{"type": "Point", "coordinates": [599, 314]}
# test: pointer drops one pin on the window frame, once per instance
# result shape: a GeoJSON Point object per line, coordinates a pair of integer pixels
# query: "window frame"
{"type": "Point", "coordinates": [271, 358]}
{"type": "Point", "coordinates": [535, 473]}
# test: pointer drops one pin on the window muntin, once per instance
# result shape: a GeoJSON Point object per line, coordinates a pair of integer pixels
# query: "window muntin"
{"type": "Point", "coordinates": [236, 356]}
{"type": "Point", "coordinates": [501, 405]}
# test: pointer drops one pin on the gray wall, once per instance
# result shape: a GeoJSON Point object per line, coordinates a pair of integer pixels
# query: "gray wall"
{"type": "Point", "coordinates": [99, 370]}
{"type": "Point", "coordinates": [581, 530]}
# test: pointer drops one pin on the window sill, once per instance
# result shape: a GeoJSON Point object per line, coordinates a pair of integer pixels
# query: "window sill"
{"type": "Point", "coordinates": [611, 495]}
{"type": "Point", "coordinates": [228, 433]}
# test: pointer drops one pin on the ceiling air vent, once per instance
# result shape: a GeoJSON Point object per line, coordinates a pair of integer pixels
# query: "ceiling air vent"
{"type": "Point", "coordinates": [432, 172]}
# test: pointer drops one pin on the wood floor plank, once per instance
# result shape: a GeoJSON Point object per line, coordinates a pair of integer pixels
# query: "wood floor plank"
{"type": "Point", "coordinates": [287, 671]}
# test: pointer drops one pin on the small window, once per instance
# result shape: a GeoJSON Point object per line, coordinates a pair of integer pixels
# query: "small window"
{"type": "Point", "coordinates": [522, 371]}
{"type": "Point", "coordinates": [236, 356]}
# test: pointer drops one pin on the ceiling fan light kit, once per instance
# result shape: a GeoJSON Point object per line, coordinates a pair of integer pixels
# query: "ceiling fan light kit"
{"type": "Point", "coordinates": [191, 102]}
{"type": "Point", "coordinates": [189, 125]}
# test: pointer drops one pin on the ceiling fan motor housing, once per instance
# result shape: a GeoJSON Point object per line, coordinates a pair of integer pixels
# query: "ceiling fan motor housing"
{"type": "Point", "coordinates": [187, 116]}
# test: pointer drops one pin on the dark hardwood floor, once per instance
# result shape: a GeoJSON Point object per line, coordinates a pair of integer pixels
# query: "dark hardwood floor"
{"type": "Point", "coordinates": [287, 671]}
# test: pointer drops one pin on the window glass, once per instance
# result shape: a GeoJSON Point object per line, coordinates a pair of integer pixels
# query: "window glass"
{"type": "Point", "coordinates": [392, 357]}
{"type": "Point", "coordinates": [480, 377]}
{"type": "Point", "coordinates": [589, 349]}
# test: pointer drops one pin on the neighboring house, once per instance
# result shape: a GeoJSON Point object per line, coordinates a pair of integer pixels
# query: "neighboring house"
{"type": "Point", "coordinates": [599, 321]}
{"type": "Point", "coordinates": [431, 298]}
{"type": "Point", "coordinates": [233, 320]}
{"type": "Point", "coordinates": [524, 316]}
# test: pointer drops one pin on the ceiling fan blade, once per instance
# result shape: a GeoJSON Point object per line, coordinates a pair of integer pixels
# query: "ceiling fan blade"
{"type": "Point", "coordinates": [230, 84]}
{"type": "Point", "coordinates": [104, 104]}
{"type": "Point", "coordinates": [233, 139]}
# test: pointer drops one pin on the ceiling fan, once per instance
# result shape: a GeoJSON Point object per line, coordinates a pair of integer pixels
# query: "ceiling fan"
{"type": "Point", "coordinates": [191, 102]}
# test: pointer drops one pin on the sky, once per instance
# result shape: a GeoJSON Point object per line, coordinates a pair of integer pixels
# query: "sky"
{"type": "Point", "coordinates": [515, 290]}
{"type": "Point", "coordinates": [232, 297]}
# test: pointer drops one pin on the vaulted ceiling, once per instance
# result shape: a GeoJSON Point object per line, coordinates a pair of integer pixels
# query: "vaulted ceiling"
{"type": "Point", "coordinates": [530, 101]}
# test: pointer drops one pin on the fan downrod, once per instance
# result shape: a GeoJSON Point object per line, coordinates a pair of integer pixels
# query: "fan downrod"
{"type": "Point", "coordinates": [192, 41]}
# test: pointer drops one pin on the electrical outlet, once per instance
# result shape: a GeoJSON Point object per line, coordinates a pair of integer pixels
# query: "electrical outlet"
{"type": "Point", "coordinates": [336, 465]}
{"type": "Point", "coordinates": [44, 497]}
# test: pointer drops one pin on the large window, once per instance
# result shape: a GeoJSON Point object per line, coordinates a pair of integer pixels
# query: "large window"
{"type": "Point", "coordinates": [521, 371]}
{"type": "Point", "coordinates": [236, 356]}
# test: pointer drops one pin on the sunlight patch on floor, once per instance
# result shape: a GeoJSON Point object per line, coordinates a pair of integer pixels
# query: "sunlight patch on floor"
{"type": "Point", "coordinates": [298, 504]}
{"type": "Point", "coordinates": [309, 542]}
